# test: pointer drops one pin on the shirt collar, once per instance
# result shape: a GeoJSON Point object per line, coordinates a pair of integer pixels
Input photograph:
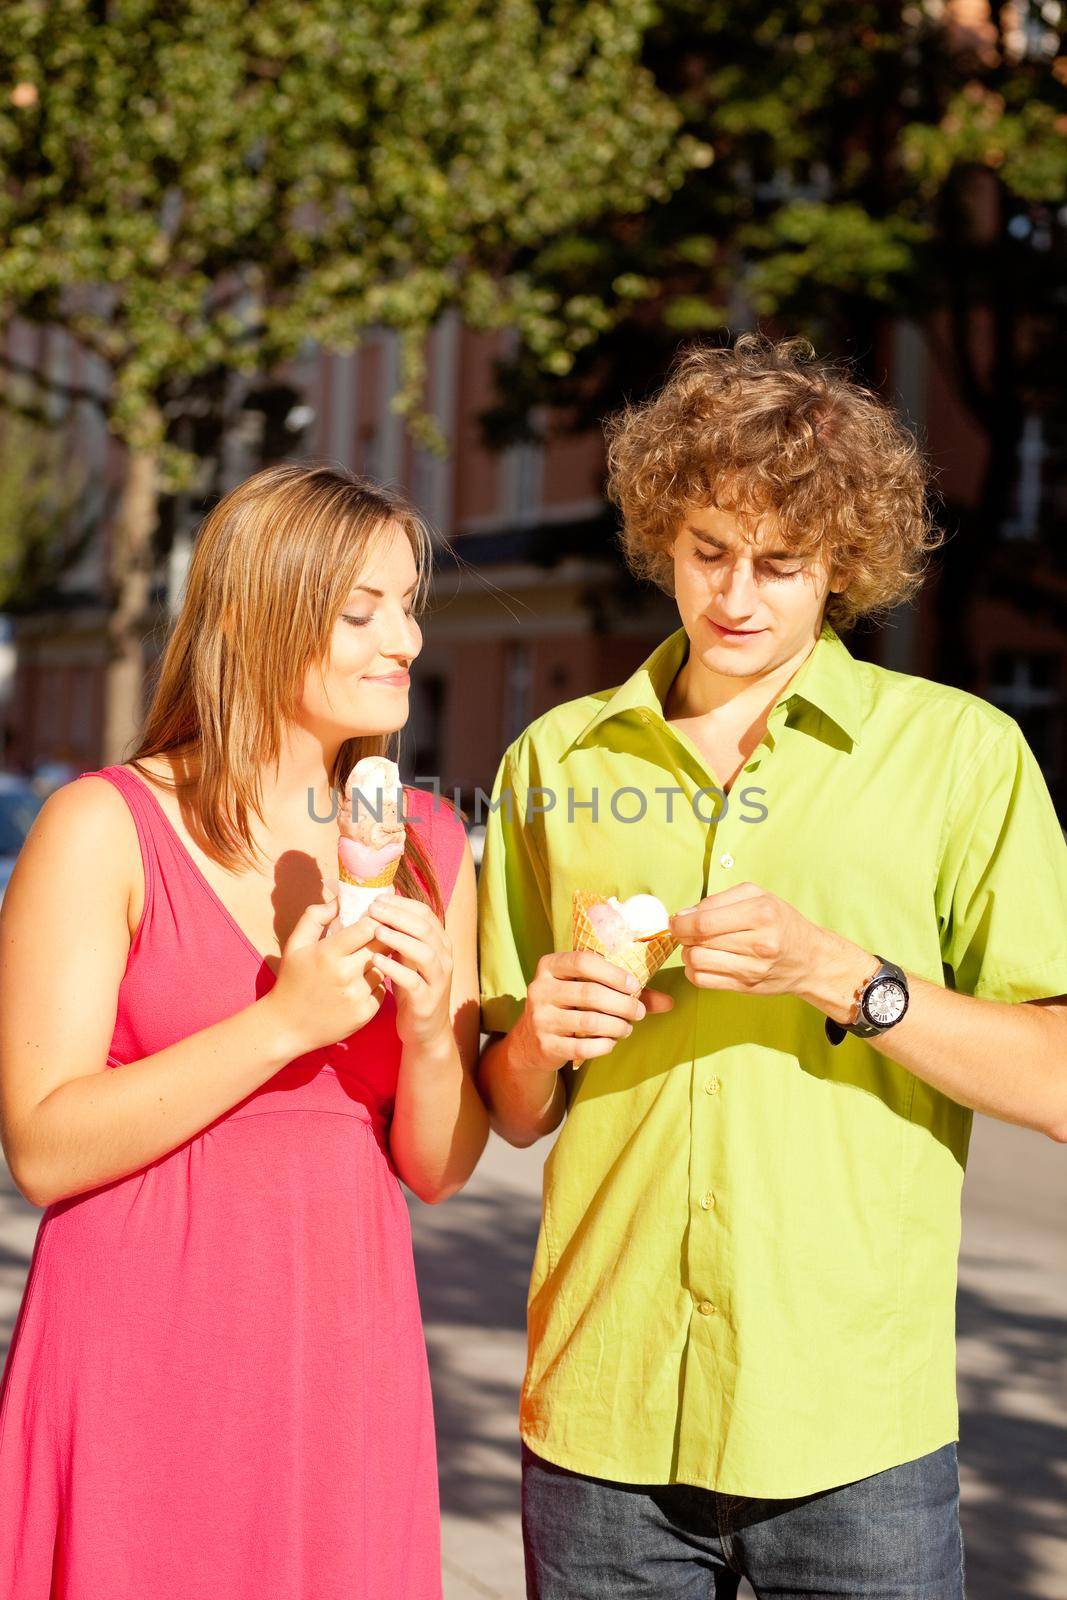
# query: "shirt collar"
{"type": "Point", "coordinates": [827, 679]}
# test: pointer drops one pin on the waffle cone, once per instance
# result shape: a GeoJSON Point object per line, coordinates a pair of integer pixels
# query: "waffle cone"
{"type": "Point", "coordinates": [642, 957]}
{"type": "Point", "coordinates": [382, 880]}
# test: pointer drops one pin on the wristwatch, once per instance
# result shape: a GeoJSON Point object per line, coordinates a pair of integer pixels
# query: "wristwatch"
{"type": "Point", "coordinates": [879, 1003]}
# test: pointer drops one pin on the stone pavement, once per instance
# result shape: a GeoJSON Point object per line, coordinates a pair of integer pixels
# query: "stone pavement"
{"type": "Point", "coordinates": [474, 1255]}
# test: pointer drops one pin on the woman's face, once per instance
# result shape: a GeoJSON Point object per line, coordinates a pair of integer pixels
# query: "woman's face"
{"type": "Point", "coordinates": [364, 687]}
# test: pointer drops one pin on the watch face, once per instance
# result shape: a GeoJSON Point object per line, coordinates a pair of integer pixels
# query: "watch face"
{"type": "Point", "coordinates": [886, 1002]}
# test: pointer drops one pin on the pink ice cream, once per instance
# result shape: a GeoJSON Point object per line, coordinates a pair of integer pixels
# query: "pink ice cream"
{"type": "Point", "coordinates": [363, 861]}
{"type": "Point", "coordinates": [366, 846]}
{"type": "Point", "coordinates": [611, 926]}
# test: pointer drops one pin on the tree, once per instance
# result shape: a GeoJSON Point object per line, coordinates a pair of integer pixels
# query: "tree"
{"type": "Point", "coordinates": [200, 188]}
{"type": "Point", "coordinates": [872, 158]}
{"type": "Point", "coordinates": [44, 528]}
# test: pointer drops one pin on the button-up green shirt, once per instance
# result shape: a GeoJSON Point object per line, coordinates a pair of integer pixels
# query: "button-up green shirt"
{"type": "Point", "coordinates": [746, 1268]}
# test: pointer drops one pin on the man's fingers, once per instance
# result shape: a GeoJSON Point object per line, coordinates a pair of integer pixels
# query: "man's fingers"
{"type": "Point", "coordinates": [713, 922]}
{"type": "Point", "coordinates": [578, 994]}
{"type": "Point", "coordinates": [591, 1025]}
{"type": "Point", "coordinates": [656, 1000]}
{"type": "Point", "coordinates": [578, 1050]}
{"type": "Point", "coordinates": [717, 969]}
{"type": "Point", "coordinates": [587, 964]}
{"type": "Point", "coordinates": [734, 943]}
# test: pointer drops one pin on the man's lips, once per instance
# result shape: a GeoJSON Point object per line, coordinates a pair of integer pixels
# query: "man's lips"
{"type": "Point", "coordinates": [735, 633]}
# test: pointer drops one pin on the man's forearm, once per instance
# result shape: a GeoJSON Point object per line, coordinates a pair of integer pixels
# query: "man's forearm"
{"type": "Point", "coordinates": [1007, 1061]}
{"type": "Point", "coordinates": [523, 1104]}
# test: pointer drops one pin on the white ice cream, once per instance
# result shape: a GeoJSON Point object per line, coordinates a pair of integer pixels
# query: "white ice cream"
{"type": "Point", "coordinates": [645, 914]}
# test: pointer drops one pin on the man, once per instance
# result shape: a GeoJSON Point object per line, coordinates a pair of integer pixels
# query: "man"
{"type": "Point", "coordinates": [741, 1314]}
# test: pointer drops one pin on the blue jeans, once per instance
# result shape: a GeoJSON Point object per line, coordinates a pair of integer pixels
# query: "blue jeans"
{"type": "Point", "coordinates": [893, 1536]}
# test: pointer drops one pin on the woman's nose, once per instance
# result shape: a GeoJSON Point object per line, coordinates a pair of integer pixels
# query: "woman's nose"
{"type": "Point", "coordinates": [407, 642]}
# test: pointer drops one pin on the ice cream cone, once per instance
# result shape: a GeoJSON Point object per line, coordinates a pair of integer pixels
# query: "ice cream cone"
{"type": "Point", "coordinates": [642, 957]}
{"type": "Point", "coordinates": [355, 894]}
{"type": "Point", "coordinates": [368, 837]}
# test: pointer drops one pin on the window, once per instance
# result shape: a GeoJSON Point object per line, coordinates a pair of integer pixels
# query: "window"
{"type": "Point", "coordinates": [518, 689]}
{"type": "Point", "coordinates": [1029, 688]}
{"type": "Point", "coordinates": [427, 724]}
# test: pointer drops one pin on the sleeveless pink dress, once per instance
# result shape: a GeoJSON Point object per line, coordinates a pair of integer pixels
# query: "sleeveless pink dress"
{"type": "Point", "coordinates": [217, 1385]}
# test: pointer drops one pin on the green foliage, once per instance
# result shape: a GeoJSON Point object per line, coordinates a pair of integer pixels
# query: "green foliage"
{"type": "Point", "coordinates": [869, 157]}
{"type": "Point", "coordinates": [40, 500]}
{"type": "Point", "coordinates": [1024, 144]}
{"type": "Point", "coordinates": [808, 247]}
{"type": "Point", "coordinates": [214, 183]}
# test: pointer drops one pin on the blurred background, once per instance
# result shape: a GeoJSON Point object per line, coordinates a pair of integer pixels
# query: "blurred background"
{"type": "Point", "coordinates": [438, 243]}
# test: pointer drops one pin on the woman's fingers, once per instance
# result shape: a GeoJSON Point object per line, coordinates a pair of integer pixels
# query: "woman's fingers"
{"type": "Point", "coordinates": [403, 977]}
{"type": "Point", "coordinates": [406, 944]}
{"type": "Point", "coordinates": [397, 911]}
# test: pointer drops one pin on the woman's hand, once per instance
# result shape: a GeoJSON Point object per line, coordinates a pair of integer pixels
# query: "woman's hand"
{"type": "Point", "coordinates": [326, 988]}
{"type": "Point", "coordinates": [420, 970]}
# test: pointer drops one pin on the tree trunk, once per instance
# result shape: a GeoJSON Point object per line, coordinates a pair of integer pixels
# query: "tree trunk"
{"type": "Point", "coordinates": [996, 404]}
{"type": "Point", "coordinates": [130, 578]}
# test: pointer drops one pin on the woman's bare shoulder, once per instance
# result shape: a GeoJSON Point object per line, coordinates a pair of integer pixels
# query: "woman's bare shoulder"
{"type": "Point", "coordinates": [84, 834]}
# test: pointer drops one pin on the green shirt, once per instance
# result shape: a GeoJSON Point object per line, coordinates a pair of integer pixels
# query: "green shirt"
{"type": "Point", "coordinates": [745, 1272]}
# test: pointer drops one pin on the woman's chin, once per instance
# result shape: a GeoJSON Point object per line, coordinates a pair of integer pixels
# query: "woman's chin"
{"type": "Point", "coordinates": [381, 728]}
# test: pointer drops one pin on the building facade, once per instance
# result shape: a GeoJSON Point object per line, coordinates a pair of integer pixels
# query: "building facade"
{"type": "Point", "coordinates": [531, 604]}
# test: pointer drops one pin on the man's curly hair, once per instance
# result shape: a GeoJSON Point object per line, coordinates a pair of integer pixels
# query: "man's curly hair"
{"type": "Point", "coordinates": [768, 426]}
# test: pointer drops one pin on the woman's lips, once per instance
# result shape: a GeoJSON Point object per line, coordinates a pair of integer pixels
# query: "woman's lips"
{"type": "Point", "coordinates": [398, 680]}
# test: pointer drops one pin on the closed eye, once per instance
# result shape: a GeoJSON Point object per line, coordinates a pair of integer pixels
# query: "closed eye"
{"type": "Point", "coordinates": [774, 572]}
{"type": "Point", "coordinates": [361, 622]}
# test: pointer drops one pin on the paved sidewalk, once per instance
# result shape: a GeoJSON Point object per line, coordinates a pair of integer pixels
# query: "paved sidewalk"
{"type": "Point", "coordinates": [474, 1255]}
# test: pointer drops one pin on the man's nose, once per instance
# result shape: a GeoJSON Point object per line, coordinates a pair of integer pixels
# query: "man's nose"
{"type": "Point", "coordinates": [739, 590]}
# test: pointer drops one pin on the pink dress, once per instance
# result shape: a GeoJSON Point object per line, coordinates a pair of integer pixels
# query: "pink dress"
{"type": "Point", "coordinates": [217, 1385]}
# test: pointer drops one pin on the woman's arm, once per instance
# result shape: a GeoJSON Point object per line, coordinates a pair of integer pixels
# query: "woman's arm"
{"type": "Point", "coordinates": [439, 1125]}
{"type": "Point", "coordinates": [68, 1122]}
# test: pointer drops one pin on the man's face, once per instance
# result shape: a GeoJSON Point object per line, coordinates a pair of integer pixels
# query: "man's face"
{"type": "Point", "coordinates": [747, 604]}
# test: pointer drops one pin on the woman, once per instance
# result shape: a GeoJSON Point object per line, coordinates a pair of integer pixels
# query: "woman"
{"type": "Point", "coordinates": [217, 1383]}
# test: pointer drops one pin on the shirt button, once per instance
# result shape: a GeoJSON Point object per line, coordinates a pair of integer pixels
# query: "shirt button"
{"type": "Point", "coordinates": [711, 1085]}
{"type": "Point", "coordinates": [706, 1308]}
{"type": "Point", "coordinates": [726, 859]}
{"type": "Point", "coordinates": [707, 1201]}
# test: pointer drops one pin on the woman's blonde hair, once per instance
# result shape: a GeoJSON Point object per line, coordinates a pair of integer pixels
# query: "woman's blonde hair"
{"type": "Point", "coordinates": [272, 567]}
{"type": "Point", "coordinates": [769, 427]}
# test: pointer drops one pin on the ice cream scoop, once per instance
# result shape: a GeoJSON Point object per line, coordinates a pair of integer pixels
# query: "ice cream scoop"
{"type": "Point", "coordinates": [643, 916]}
{"type": "Point", "coordinates": [633, 933]}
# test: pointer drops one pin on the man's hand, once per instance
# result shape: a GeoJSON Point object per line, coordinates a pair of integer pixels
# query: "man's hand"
{"type": "Point", "coordinates": [750, 940]}
{"type": "Point", "coordinates": [578, 1006]}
